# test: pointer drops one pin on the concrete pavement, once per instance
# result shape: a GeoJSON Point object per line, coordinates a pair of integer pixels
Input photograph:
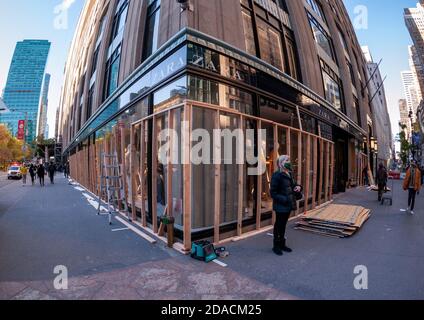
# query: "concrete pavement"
{"type": "Point", "coordinates": [43, 228]}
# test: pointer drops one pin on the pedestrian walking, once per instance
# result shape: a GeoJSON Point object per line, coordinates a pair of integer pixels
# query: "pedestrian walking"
{"type": "Point", "coordinates": [32, 173]}
{"type": "Point", "coordinates": [365, 176]}
{"type": "Point", "coordinates": [24, 173]}
{"type": "Point", "coordinates": [41, 173]}
{"type": "Point", "coordinates": [382, 177]}
{"type": "Point", "coordinates": [52, 172]}
{"type": "Point", "coordinates": [66, 170]}
{"type": "Point", "coordinates": [412, 184]}
{"type": "Point", "coordinates": [284, 192]}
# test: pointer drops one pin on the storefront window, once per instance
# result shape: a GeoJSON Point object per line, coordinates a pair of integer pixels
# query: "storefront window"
{"type": "Point", "coordinates": [211, 92]}
{"type": "Point", "coordinates": [170, 95]}
{"type": "Point", "coordinates": [250, 181]}
{"type": "Point", "coordinates": [278, 112]}
{"type": "Point", "coordinates": [270, 156]}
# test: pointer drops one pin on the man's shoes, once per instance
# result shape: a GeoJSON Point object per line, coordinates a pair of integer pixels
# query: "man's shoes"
{"type": "Point", "coordinates": [277, 251]}
{"type": "Point", "coordinates": [412, 212]}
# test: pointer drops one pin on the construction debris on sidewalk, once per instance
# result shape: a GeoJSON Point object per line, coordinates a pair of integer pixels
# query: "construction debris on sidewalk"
{"type": "Point", "coordinates": [334, 220]}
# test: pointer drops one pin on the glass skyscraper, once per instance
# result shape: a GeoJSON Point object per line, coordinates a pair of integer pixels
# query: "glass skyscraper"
{"type": "Point", "coordinates": [23, 87]}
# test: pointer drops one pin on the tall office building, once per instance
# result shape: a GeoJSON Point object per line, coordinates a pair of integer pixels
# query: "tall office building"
{"type": "Point", "coordinates": [23, 87]}
{"type": "Point", "coordinates": [404, 116]}
{"type": "Point", "coordinates": [44, 104]}
{"type": "Point", "coordinates": [381, 117]}
{"type": "Point", "coordinates": [412, 92]}
{"type": "Point", "coordinates": [414, 20]}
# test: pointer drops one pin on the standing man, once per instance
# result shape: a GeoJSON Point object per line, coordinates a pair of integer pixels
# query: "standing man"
{"type": "Point", "coordinates": [284, 192]}
{"type": "Point", "coordinates": [41, 173]}
{"type": "Point", "coordinates": [381, 180]}
{"type": "Point", "coordinates": [412, 183]}
{"type": "Point", "coordinates": [32, 173]}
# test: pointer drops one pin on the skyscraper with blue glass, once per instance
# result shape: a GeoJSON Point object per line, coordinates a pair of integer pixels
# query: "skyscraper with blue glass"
{"type": "Point", "coordinates": [23, 87]}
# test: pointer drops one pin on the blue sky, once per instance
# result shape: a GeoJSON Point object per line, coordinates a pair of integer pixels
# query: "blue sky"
{"type": "Point", "coordinates": [388, 39]}
{"type": "Point", "coordinates": [35, 19]}
{"type": "Point", "coordinates": [386, 36]}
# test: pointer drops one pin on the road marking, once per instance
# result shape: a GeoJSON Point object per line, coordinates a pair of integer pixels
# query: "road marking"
{"type": "Point", "coordinates": [137, 231]}
{"type": "Point", "coordinates": [403, 210]}
{"type": "Point", "coordinates": [120, 229]}
{"type": "Point", "coordinates": [220, 263]}
{"type": "Point", "coordinates": [79, 189]}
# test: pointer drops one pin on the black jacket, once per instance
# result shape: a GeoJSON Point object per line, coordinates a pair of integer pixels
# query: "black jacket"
{"type": "Point", "coordinates": [282, 186]}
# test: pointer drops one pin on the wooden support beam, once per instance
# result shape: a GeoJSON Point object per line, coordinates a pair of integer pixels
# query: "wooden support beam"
{"type": "Point", "coordinates": [321, 169]}
{"type": "Point", "coordinates": [124, 164]}
{"type": "Point", "coordinates": [187, 172]}
{"type": "Point", "coordinates": [259, 182]}
{"type": "Point", "coordinates": [217, 151]}
{"type": "Point", "coordinates": [332, 171]}
{"type": "Point", "coordinates": [240, 187]}
{"type": "Point", "coordinates": [315, 174]}
{"type": "Point", "coordinates": [133, 172]}
{"type": "Point", "coordinates": [275, 162]}
{"type": "Point", "coordinates": [143, 157]}
{"type": "Point", "coordinates": [154, 175]}
{"type": "Point", "coordinates": [327, 171]}
{"type": "Point", "coordinates": [308, 171]}
{"type": "Point", "coordinates": [169, 200]}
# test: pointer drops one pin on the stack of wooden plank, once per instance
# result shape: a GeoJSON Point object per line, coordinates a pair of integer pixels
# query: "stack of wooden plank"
{"type": "Point", "coordinates": [334, 220]}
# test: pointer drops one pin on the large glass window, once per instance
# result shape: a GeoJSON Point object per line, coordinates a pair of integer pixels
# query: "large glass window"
{"type": "Point", "coordinates": [170, 95]}
{"type": "Point", "coordinates": [332, 91]}
{"type": "Point", "coordinates": [321, 37]}
{"type": "Point", "coordinates": [316, 8]}
{"type": "Point", "coordinates": [151, 35]}
{"type": "Point", "coordinates": [219, 94]}
{"type": "Point", "coordinates": [112, 73]}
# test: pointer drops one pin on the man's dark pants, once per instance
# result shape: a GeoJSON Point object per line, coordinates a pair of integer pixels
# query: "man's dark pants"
{"type": "Point", "coordinates": [411, 198]}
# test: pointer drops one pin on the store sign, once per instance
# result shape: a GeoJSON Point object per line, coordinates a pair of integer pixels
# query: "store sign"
{"type": "Point", "coordinates": [21, 130]}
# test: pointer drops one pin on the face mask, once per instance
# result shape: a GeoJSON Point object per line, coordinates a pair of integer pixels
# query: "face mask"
{"type": "Point", "coordinates": [288, 166]}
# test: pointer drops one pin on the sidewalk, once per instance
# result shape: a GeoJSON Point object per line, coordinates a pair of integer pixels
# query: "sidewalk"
{"type": "Point", "coordinates": [57, 226]}
{"type": "Point", "coordinates": [41, 228]}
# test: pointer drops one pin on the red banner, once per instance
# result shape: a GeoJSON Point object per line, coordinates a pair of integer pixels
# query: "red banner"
{"type": "Point", "coordinates": [21, 130]}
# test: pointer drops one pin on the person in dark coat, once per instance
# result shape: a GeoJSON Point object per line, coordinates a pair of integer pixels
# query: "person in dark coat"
{"type": "Point", "coordinates": [382, 177]}
{"type": "Point", "coordinates": [32, 173]}
{"type": "Point", "coordinates": [52, 171]}
{"type": "Point", "coordinates": [285, 192]}
{"type": "Point", "coordinates": [41, 173]}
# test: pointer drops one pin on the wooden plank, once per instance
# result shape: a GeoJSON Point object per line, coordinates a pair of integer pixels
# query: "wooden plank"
{"type": "Point", "coordinates": [169, 199]}
{"type": "Point", "coordinates": [240, 188]}
{"type": "Point", "coordinates": [133, 173]}
{"type": "Point", "coordinates": [321, 173]}
{"type": "Point", "coordinates": [331, 171]}
{"type": "Point", "coordinates": [124, 164]}
{"type": "Point", "coordinates": [154, 175]}
{"type": "Point", "coordinates": [217, 212]}
{"type": "Point", "coordinates": [259, 183]}
{"type": "Point", "coordinates": [275, 162]}
{"type": "Point", "coordinates": [288, 137]}
{"type": "Point", "coordinates": [187, 171]}
{"type": "Point", "coordinates": [315, 173]}
{"type": "Point", "coordinates": [327, 171]}
{"type": "Point", "coordinates": [308, 171]}
{"type": "Point", "coordinates": [143, 157]}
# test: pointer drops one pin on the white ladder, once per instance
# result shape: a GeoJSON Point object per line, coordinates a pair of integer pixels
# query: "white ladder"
{"type": "Point", "coordinates": [111, 186]}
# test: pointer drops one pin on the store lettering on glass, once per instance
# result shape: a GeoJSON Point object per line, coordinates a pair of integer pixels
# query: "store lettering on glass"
{"type": "Point", "coordinates": [163, 71]}
{"type": "Point", "coordinates": [214, 62]}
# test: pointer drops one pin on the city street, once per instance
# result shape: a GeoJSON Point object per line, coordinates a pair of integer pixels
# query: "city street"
{"type": "Point", "coordinates": [41, 228]}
